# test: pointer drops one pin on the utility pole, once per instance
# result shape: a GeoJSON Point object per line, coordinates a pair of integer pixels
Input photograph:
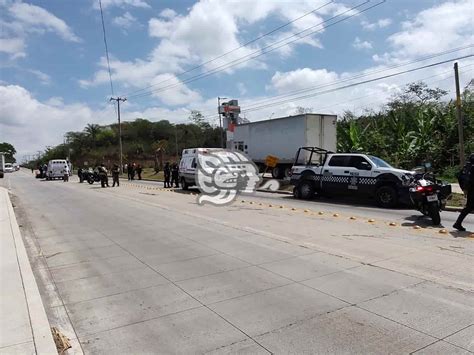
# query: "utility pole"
{"type": "Point", "coordinates": [118, 99]}
{"type": "Point", "coordinates": [459, 115]}
{"type": "Point", "coordinates": [221, 133]}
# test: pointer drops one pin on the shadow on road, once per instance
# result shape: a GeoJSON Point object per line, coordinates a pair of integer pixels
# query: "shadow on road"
{"type": "Point", "coordinates": [347, 201]}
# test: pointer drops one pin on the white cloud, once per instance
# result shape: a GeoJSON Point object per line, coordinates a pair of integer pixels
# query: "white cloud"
{"type": "Point", "coordinates": [207, 31]}
{"type": "Point", "coordinates": [121, 3]}
{"type": "Point", "coordinates": [382, 23]}
{"type": "Point", "coordinates": [21, 20]}
{"type": "Point", "coordinates": [45, 79]}
{"type": "Point", "coordinates": [242, 89]}
{"type": "Point", "coordinates": [30, 124]}
{"type": "Point", "coordinates": [358, 44]}
{"type": "Point", "coordinates": [125, 21]}
{"type": "Point", "coordinates": [35, 18]}
{"type": "Point", "coordinates": [301, 79]}
{"type": "Point", "coordinates": [436, 29]}
{"type": "Point", "coordinates": [168, 13]}
{"type": "Point", "coordinates": [15, 47]}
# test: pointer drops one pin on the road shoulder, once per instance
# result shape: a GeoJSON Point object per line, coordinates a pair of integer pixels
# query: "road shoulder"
{"type": "Point", "coordinates": [24, 321]}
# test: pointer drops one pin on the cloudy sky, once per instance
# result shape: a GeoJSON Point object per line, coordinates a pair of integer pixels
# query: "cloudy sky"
{"type": "Point", "coordinates": [172, 56]}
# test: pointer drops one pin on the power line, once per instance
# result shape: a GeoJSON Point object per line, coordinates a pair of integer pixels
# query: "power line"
{"type": "Point", "coordinates": [259, 107]}
{"type": "Point", "coordinates": [237, 48]}
{"type": "Point", "coordinates": [362, 75]}
{"type": "Point", "coordinates": [358, 76]}
{"type": "Point", "coordinates": [358, 83]}
{"type": "Point", "coordinates": [251, 56]}
{"type": "Point", "coordinates": [106, 48]}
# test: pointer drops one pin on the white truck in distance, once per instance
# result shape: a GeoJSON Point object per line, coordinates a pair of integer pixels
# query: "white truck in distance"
{"type": "Point", "coordinates": [281, 137]}
{"type": "Point", "coordinates": [347, 174]}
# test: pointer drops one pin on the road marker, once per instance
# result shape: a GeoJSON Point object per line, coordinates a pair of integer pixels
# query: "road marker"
{"type": "Point", "coordinates": [335, 215]}
{"type": "Point", "coordinates": [392, 224]}
{"type": "Point", "coordinates": [371, 220]}
{"type": "Point", "coordinates": [251, 202]}
{"type": "Point", "coordinates": [443, 231]}
{"type": "Point", "coordinates": [320, 213]}
{"type": "Point", "coordinates": [416, 227]}
{"type": "Point", "coordinates": [307, 211]}
{"type": "Point", "coordinates": [282, 206]}
{"type": "Point", "coordinates": [353, 218]}
{"type": "Point", "coordinates": [243, 201]}
{"type": "Point", "coordinates": [270, 205]}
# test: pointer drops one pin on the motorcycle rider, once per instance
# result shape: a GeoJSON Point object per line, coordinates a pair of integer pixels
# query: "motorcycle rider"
{"type": "Point", "coordinates": [115, 175]}
{"type": "Point", "coordinates": [470, 198]}
{"type": "Point", "coordinates": [104, 179]}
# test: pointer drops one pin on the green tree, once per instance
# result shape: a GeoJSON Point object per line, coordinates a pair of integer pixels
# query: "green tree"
{"type": "Point", "coordinates": [9, 151]}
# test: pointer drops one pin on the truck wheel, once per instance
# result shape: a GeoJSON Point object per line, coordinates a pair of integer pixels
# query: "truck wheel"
{"type": "Point", "coordinates": [305, 190]}
{"type": "Point", "coordinates": [433, 212]}
{"type": "Point", "coordinates": [184, 184]}
{"type": "Point", "coordinates": [278, 172]}
{"type": "Point", "coordinates": [386, 197]}
{"type": "Point", "coordinates": [287, 172]}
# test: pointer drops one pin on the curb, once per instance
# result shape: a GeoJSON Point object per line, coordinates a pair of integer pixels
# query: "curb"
{"type": "Point", "coordinates": [42, 337]}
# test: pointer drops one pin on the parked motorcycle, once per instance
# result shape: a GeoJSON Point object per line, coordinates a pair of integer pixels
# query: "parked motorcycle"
{"type": "Point", "coordinates": [429, 195]}
{"type": "Point", "coordinates": [91, 176]}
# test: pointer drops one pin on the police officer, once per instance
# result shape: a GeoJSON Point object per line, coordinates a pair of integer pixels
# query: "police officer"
{"type": "Point", "coordinates": [104, 179]}
{"type": "Point", "coordinates": [175, 175]}
{"type": "Point", "coordinates": [115, 175]}
{"type": "Point", "coordinates": [470, 198]}
{"type": "Point", "coordinates": [167, 173]}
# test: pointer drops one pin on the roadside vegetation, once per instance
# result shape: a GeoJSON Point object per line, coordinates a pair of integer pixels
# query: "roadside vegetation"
{"type": "Point", "coordinates": [416, 126]}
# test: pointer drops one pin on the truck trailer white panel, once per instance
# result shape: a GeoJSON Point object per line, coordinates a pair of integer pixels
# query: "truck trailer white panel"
{"type": "Point", "coordinates": [281, 137]}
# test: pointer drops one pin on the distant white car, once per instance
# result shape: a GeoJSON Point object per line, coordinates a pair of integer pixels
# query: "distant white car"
{"type": "Point", "coordinates": [9, 168]}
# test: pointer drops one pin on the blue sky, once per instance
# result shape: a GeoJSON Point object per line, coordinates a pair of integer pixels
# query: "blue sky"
{"type": "Point", "coordinates": [54, 75]}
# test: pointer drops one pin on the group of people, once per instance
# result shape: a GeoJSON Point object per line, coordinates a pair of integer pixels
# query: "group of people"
{"type": "Point", "coordinates": [133, 169]}
{"type": "Point", "coordinates": [171, 173]}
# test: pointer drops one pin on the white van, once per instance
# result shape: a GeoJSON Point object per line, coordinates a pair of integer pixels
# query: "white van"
{"type": "Point", "coordinates": [188, 165]}
{"type": "Point", "coordinates": [8, 168]}
{"type": "Point", "coordinates": [57, 169]}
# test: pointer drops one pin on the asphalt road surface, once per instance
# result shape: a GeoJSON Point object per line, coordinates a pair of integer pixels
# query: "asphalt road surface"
{"type": "Point", "coordinates": [137, 269]}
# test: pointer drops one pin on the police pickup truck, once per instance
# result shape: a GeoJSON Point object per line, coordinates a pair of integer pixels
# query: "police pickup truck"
{"type": "Point", "coordinates": [347, 174]}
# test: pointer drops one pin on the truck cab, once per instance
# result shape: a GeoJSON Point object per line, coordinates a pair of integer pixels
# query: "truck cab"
{"type": "Point", "coordinates": [348, 174]}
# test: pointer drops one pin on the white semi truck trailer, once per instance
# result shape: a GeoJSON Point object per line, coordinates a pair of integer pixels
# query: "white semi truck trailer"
{"type": "Point", "coordinates": [281, 138]}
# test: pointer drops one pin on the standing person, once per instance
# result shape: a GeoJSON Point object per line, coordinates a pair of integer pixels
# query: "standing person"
{"type": "Point", "coordinates": [139, 171]}
{"type": "Point", "coordinates": [104, 179]}
{"type": "Point", "coordinates": [115, 175]}
{"type": "Point", "coordinates": [134, 170]}
{"type": "Point", "coordinates": [167, 173]}
{"type": "Point", "coordinates": [175, 175]}
{"type": "Point", "coordinates": [129, 171]}
{"type": "Point", "coordinates": [469, 188]}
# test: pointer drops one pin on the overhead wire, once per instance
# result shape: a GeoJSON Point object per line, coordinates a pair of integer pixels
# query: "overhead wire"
{"type": "Point", "coordinates": [259, 52]}
{"type": "Point", "coordinates": [357, 76]}
{"type": "Point", "coordinates": [358, 83]}
{"type": "Point", "coordinates": [106, 47]}
{"type": "Point", "coordinates": [259, 107]}
{"type": "Point", "coordinates": [237, 48]}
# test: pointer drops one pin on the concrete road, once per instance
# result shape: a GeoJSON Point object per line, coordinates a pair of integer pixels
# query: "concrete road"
{"type": "Point", "coordinates": [138, 270]}
{"type": "Point", "coordinates": [363, 208]}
